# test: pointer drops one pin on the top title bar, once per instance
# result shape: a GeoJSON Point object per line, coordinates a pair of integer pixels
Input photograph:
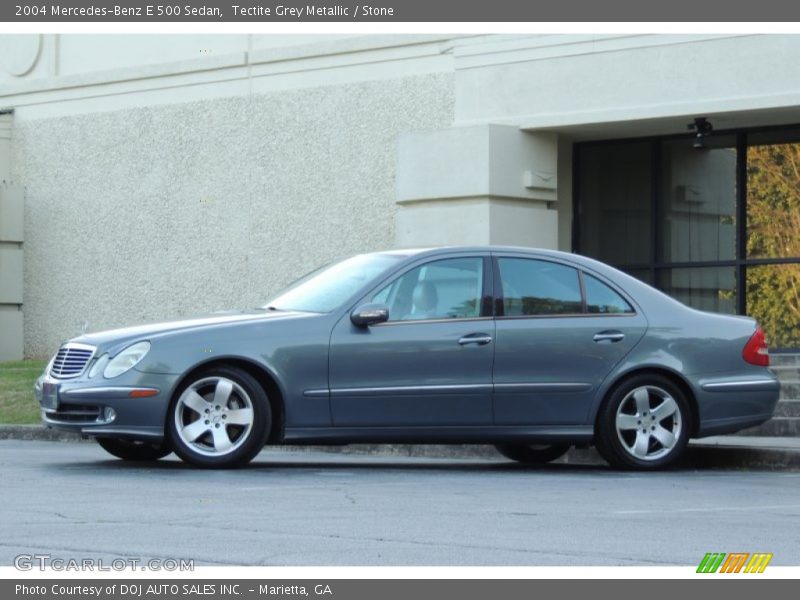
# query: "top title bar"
{"type": "Point", "coordinates": [400, 11]}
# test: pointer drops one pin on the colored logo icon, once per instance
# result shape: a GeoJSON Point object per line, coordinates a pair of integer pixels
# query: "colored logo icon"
{"type": "Point", "coordinates": [735, 562]}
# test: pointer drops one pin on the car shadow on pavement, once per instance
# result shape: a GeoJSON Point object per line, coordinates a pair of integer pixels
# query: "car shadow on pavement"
{"type": "Point", "coordinates": [695, 459]}
{"type": "Point", "coordinates": [335, 463]}
{"type": "Point", "coordinates": [382, 464]}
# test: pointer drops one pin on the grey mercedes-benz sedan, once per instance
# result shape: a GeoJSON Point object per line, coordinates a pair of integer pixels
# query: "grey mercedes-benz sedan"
{"type": "Point", "coordinates": [530, 350]}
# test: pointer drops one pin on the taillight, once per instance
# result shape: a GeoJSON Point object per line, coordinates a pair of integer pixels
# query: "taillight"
{"type": "Point", "coordinates": [756, 351]}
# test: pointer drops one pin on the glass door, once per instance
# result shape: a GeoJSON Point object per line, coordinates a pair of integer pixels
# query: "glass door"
{"type": "Point", "coordinates": [773, 239]}
{"type": "Point", "coordinates": [716, 227]}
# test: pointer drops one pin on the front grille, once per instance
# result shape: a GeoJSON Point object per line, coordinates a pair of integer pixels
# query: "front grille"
{"type": "Point", "coordinates": [71, 360]}
{"type": "Point", "coordinates": [76, 413]}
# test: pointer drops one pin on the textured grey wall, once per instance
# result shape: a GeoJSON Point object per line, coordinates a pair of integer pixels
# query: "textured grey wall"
{"type": "Point", "coordinates": [175, 210]}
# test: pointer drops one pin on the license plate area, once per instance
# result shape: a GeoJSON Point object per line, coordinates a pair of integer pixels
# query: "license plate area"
{"type": "Point", "coordinates": [49, 395]}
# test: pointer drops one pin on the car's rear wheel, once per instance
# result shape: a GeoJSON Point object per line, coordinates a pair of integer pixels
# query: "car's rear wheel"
{"type": "Point", "coordinates": [532, 454]}
{"type": "Point", "coordinates": [219, 418]}
{"type": "Point", "coordinates": [644, 424]}
{"type": "Point", "coordinates": [134, 449]}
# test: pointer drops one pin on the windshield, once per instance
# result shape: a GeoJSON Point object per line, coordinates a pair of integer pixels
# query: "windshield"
{"type": "Point", "coordinates": [328, 287]}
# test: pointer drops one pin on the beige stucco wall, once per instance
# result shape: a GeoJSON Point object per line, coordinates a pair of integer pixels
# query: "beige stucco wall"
{"type": "Point", "coordinates": [167, 176]}
{"type": "Point", "coordinates": [171, 210]}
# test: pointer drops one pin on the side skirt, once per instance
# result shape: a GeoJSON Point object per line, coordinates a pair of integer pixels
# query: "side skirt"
{"type": "Point", "coordinates": [438, 435]}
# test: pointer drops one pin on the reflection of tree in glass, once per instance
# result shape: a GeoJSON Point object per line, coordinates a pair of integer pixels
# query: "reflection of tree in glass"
{"type": "Point", "coordinates": [531, 305]}
{"type": "Point", "coordinates": [603, 309]}
{"type": "Point", "coordinates": [468, 308]}
{"type": "Point", "coordinates": [773, 230]}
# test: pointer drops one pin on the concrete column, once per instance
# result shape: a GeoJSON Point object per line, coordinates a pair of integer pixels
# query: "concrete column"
{"type": "Point", "coordinates": [11, 238]}
{"type": "Point", "coordinates": [5, 146]}
{"type": "Point", "coordinates": [485, 184]}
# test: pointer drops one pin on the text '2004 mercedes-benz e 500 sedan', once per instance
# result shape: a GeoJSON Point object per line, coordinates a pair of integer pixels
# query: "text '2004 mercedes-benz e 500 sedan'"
{"type": "Point", "coordinates": [530, 350]}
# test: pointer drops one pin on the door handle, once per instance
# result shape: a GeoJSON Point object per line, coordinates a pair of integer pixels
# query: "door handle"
{"type": "Point", "coordinates": [609, 336]}
{"type": "Point", "coordinates": [481, 339]}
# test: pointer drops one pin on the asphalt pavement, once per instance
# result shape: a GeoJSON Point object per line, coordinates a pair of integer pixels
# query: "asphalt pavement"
{"type": "Point", "coordinates": [71, 500]}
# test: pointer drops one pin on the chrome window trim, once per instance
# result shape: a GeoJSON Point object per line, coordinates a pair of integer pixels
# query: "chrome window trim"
{"type": "Point", "coordinates": [567, 315]}
{"type": "Point", "coordinates": [416, 321]}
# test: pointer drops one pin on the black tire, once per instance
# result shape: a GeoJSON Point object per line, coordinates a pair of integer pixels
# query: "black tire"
{"type": "Point", "coordinates": [134, 449]}
{"type": "Point", "coordinates": [619, 446]}
{"type": "Point", "coordinates": [246, 440]}
{"type": "Point", "coordinates": [533, 454]}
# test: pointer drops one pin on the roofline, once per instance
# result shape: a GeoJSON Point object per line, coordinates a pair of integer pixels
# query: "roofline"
{"type": "Point", "coordinates": [433, 251]}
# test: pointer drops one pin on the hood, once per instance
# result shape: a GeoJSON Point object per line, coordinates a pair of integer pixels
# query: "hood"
{"type": "Point", "coordinates": [115, 339]}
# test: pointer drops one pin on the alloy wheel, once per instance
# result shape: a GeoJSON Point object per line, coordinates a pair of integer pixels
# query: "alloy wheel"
{"type": "Point", "coordinates": [214, 416]}
{"type": "Point", "coordinates": [648, 423]}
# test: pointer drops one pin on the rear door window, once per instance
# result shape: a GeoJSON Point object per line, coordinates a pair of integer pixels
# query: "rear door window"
{"type": "Point", "coordinates": [536, 287]}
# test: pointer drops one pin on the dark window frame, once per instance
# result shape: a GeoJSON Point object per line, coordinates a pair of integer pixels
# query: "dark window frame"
{"type": "Point", "coordinates": [741, 262]}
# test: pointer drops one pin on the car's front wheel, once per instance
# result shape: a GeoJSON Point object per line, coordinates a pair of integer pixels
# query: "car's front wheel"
{"type": "Point", "coordinates": [533, 454]}
{"type": "Point", "coordinates": [645, 424]}
{"type": "Point", "coordinates": [219, 418]}
{"type": "Point", "coordinates": [134, 449]}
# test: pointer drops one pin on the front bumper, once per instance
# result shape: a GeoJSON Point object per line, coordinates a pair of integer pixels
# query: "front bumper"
{"type": "Point", "coordinates": [131, 406]}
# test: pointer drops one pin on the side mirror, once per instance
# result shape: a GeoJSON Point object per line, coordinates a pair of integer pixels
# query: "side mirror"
{"type": "Point", "coordinates": [369, 314]}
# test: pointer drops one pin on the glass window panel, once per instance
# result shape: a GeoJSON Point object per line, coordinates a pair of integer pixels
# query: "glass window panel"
{"type": "Point", "coordinates": [602, 299]}
{"type": "Point", "coordinates": [773, 200]}
{"type": "Point", "coordinates": [537, 287]}
{"type": "Point", "coordinates": [697, 217]}
{"type": "Point", "coordinates": [615, 192]}
{"type": "Point", "coordinates": [705, 288]}
{"type": "Point", "coordinates": [326, 288]}
{"type": "Point", "coordinates": [773, 299]}
{"type": "Point", "coordinates": [443, 289]}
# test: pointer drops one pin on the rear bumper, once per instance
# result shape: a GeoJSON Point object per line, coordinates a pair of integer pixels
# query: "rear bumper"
{"type": "Point", "coordinates": [728, 404]}
{"type": "Point", "coordinates": [732, 425]}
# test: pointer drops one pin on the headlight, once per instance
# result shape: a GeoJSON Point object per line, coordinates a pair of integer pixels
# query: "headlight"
{"type": "Point", "coordinates": [98, 366]}
{"type": "Point", "coordinates": [126, 360]}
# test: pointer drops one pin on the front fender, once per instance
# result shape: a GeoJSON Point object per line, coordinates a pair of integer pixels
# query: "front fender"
{"type": "Point", "coordinates": [294, 357]}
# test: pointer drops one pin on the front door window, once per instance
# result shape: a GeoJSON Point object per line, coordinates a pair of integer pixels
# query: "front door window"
{"type": "Point", "coordinates": [442, 289]}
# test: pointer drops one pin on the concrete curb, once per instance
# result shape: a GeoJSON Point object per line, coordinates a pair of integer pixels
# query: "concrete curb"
{"type": "Point", "coordinates": [36, 433]}
{"type": "Point", "coordinates": [774, 454]}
